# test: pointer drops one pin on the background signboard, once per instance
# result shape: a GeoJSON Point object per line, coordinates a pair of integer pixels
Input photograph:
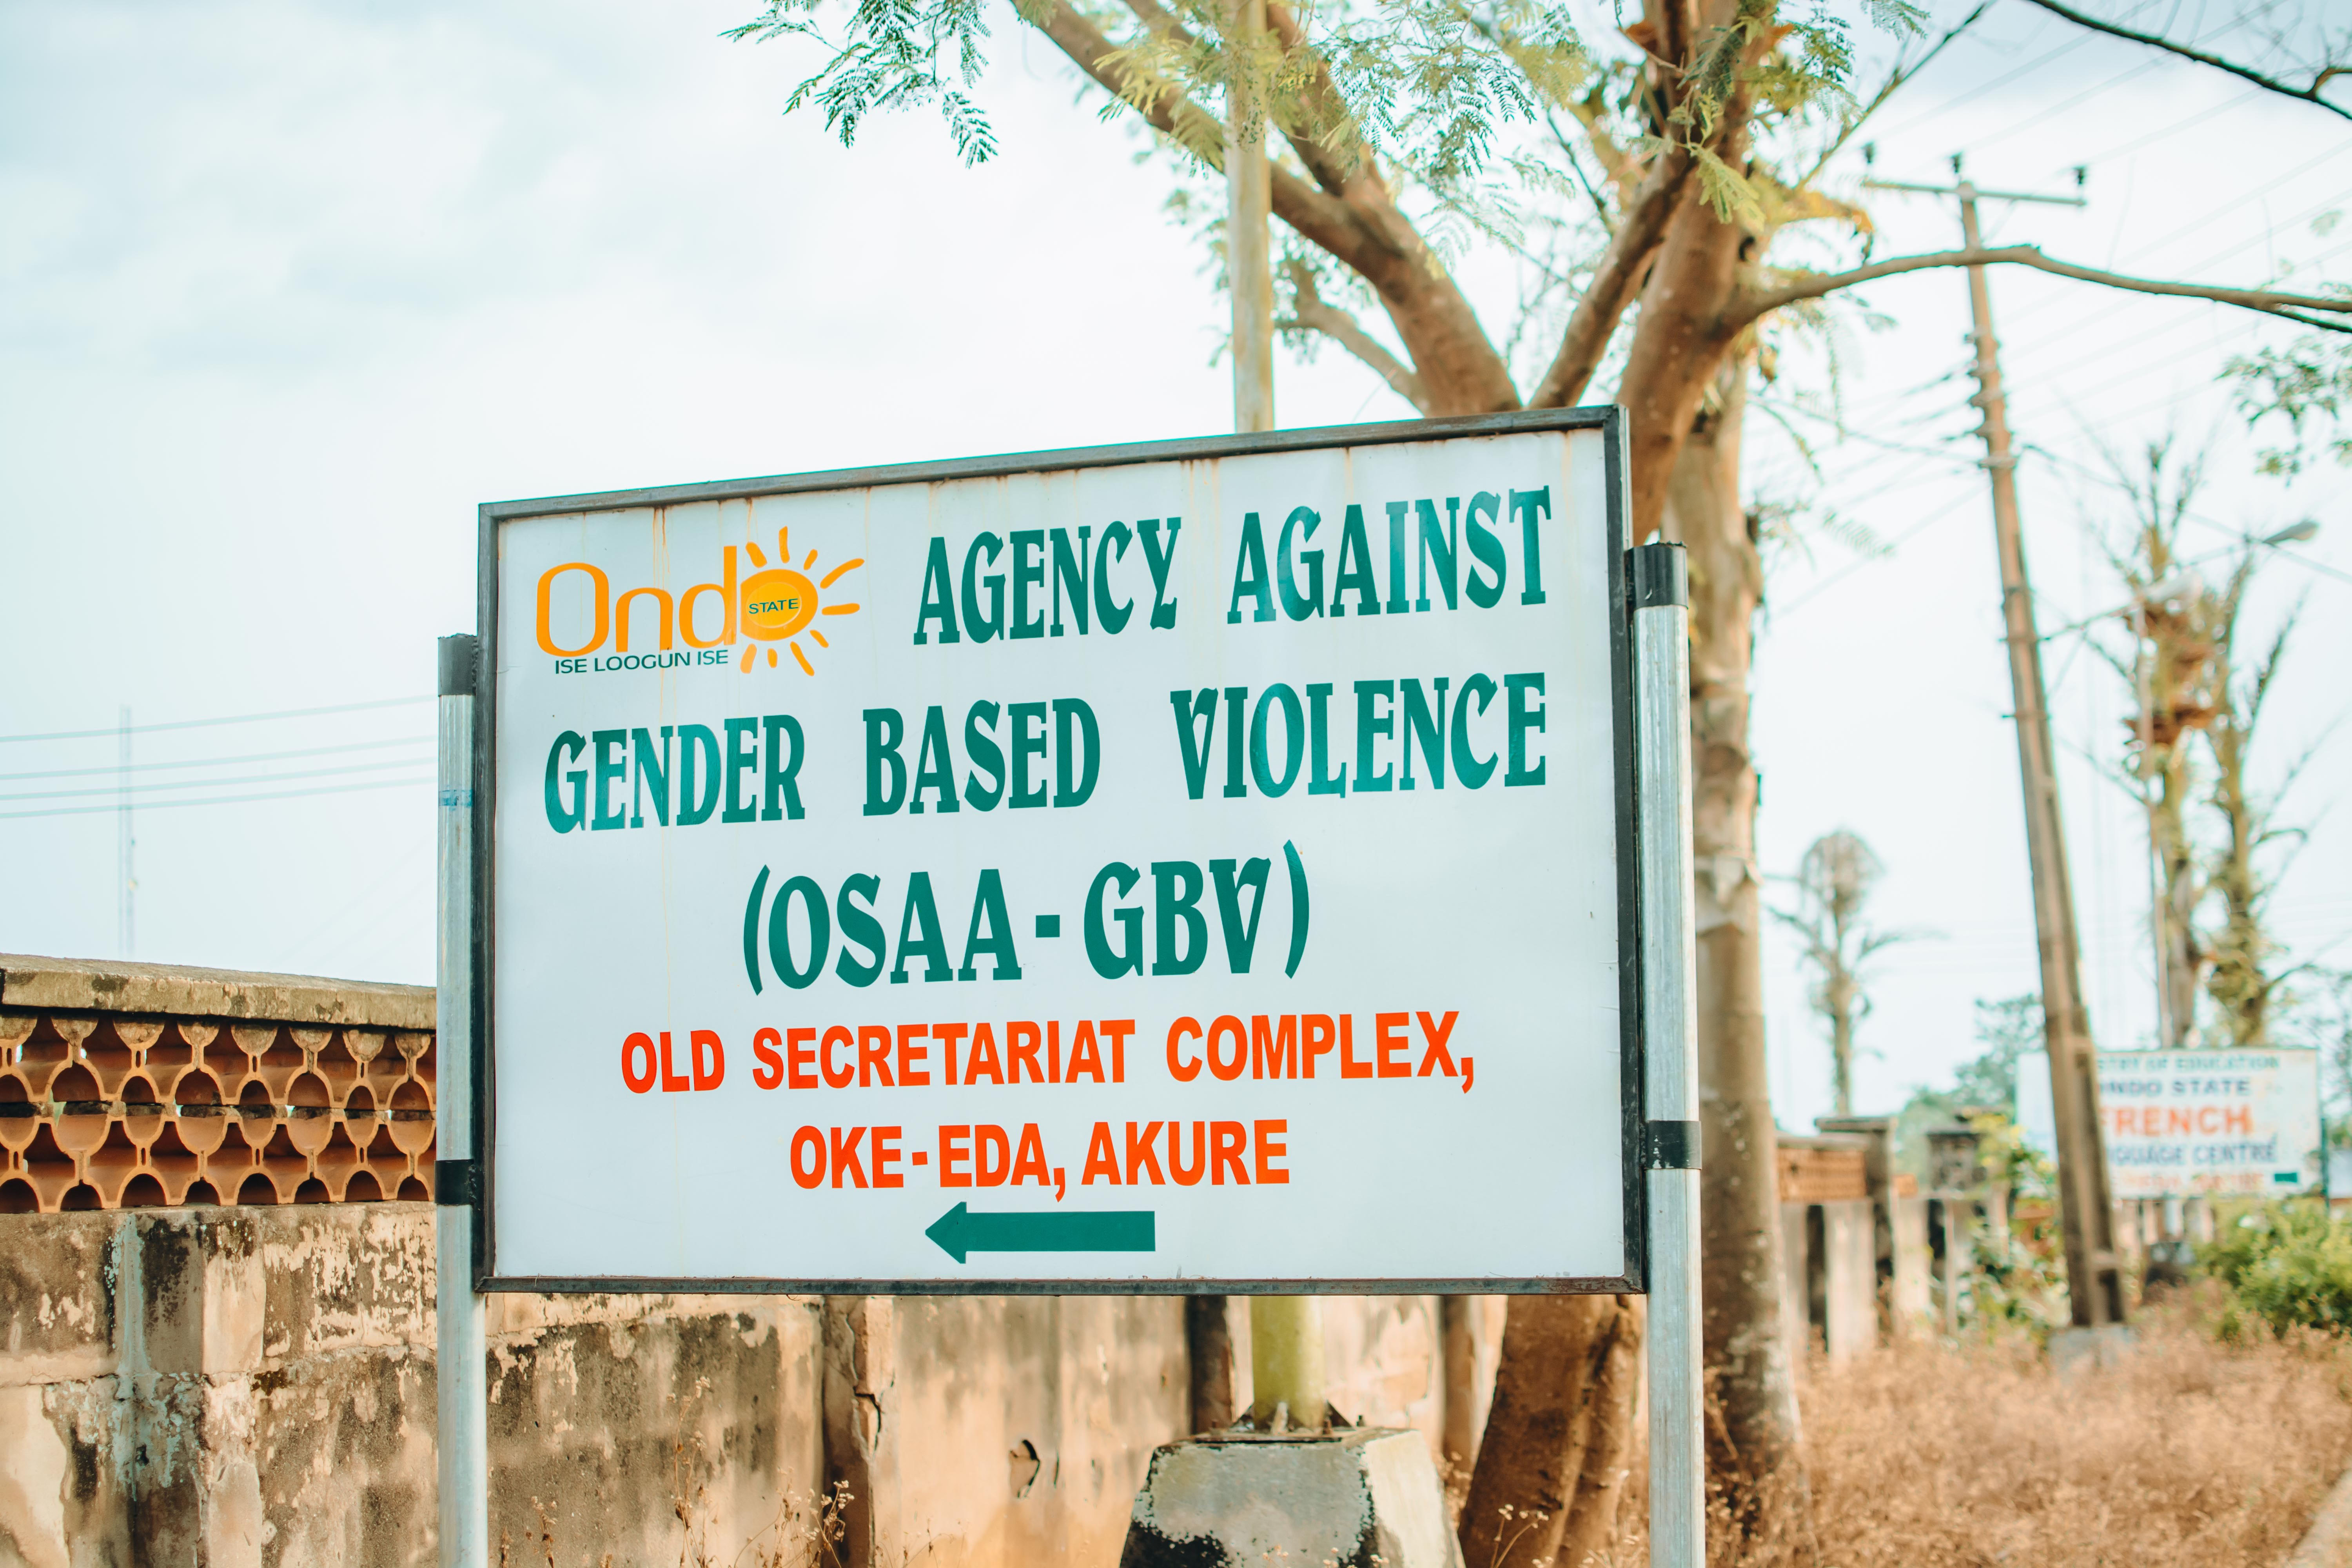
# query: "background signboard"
{"type": "Point", "coordinates": [1194, 866]}
{"type": "Point", "coordinates": [2186, 1123]}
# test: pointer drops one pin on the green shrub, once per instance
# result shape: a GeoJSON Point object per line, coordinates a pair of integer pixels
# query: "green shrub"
{"type": "Point", "coordinates": [2287, 1264]}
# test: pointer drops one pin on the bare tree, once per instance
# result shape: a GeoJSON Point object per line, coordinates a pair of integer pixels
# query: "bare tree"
{"type": "Point", "coordinates": [2175, 622]}
{"type": "Point", "coordinates": [2244, 982]}
{"type": "Point", "coordinates": [1834, 887]}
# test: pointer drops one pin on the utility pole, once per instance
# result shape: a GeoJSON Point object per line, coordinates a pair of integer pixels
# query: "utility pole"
{"type": "Point", "coordinates": [1249, 193]}
{"type": "Point", "coordinates": [1286, 1331]}
{"type": "Point", "coordinates": [2094, 1279]}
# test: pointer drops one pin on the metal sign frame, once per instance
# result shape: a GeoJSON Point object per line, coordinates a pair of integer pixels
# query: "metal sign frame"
{"type": "Point", "coordinates": [479, 1177]}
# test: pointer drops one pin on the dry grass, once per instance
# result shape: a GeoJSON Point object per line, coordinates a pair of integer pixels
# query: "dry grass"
{"type": "Point", "coordinates": [1979, 1456]}
{"type": "Point", "coordinates": [2186, 1453]}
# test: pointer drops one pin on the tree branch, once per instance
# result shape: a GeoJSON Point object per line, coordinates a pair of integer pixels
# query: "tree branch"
{"type": "Point", "coordinates": [1754, 303]}
{"type": "Point", "coordinates": [2303, 94]}
{"type": "Point", "coordinates": [1325, 220]}
{"type": "Point", "coordinates": [1354, 179]}
{"type": "Point", "coordinates": [1615, 282]}
{"type": "Point", "coordinates": [1896, 77]}
{"type": "Point", "coordinates": [1363, 230]}
{"type": "Point", "coordinates": [1311, 310]}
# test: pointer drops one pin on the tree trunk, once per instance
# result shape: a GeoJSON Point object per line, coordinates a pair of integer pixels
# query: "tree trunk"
{"type": "Point", "coordinates": [1755, 1456]}
{"type": "Point", "coordinates": [1552, 1468]}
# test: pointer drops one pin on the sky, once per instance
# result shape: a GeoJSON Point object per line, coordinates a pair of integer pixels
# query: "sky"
{"type": "Point", "coordinates": [287, 288]}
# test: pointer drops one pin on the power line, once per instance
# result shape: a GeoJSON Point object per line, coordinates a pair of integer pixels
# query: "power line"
{"type": "Point", "coordinates": [2203, 220]}
{"type": "Point", "coordinates": [2030, 66]}
{"type": "Point", "coordinates": [220, 783]}
{"type": "Point", "coordinates": [1816, 588]}
{"type": "Point", "coordinates": [224, 800]}
{"type": "Point", "coordinates": [2113, 81]}
{"type": "Point", "coordinates": [224, 762]}
{"type": "Point", "coordinates": [230, 719]}
{"type": "Point", "coordinates": [2173, 128]}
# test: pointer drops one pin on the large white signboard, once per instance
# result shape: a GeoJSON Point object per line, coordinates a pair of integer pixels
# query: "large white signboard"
{"type": "Point", "coordinates": [1116, 869]}
{"type": "Point", "coordinates": [2185, 1123]}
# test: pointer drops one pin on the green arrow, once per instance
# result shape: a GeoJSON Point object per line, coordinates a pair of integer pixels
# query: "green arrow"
{"type": "Point", "coordinates": [960, 1231]}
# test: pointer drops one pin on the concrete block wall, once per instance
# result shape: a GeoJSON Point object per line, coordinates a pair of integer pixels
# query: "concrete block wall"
{"type": "Point", "coordinates": [256, 1386]}
{"type": "Point", "coordinates": [218, 1386]}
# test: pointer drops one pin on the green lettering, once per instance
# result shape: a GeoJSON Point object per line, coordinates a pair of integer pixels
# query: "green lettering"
{"type": "Point", "coordinates": [562, 816]}
{"type": "Point", "coordinates": [1194, 708]}
{"type": "Point", "coordinates": [939, 598]}
{"type": "Point", "coordinates": [1249, 573]}
{"type": "Point", "coordinates": [1070, 572]}
{"type": "Point", "coordinates": [612, 761]}
{"type": "Point", "coordinates": [1111, 618]}
{"type": "Point", "coordinates": [1026, 746]}
{"type": "Point", "coordinates": [1355, 567]}
{"type": "Point", "coordinates": [1372, 724]}
{"type": "Point", "coordinates": [780, 784]}
{"type": "Point", "coordinates": [698, 764]}
{"type": "Point", "coordinates": [653, 769]}
{"type": "Point", "coordinates": [1176, 888]}
{"type": "Point", "coordinates": [1028, 567]}
{"type": "Point", "coordinates": [885, 730]}
{"type": "Point", "coordinates": [858, 928]}
{"type": "Point", "coordinates": [1424, 724]}
{"type": "Point", "coordinates": [1522, 718]}
{"type": "Point", "coordinates": [982, 756]}
{"type": "Point", "coordinates": [1320, 779]}
{"type": "Point", "coordinates": [1489, 550]}
{"type": "Point", "coordinates": [1163, 608]}
{"type": "Point", "coordinates": [1109, 962]}
{"type": "Point", "coordinates": [982, 628]}
{"type": "Point", "coordinates": [1075, 735]}
{"type": "Point", "coordinates": [1294, 736]}
{"type": "Point", "coordinates": [1468, 767]}
{"type": "Point", "coordinates": [1525, 505]}
{"type": "Point", "coordinates": [988, 910]}
{"type": "Point", "coordinates": [934, 766]}
{"type": "Point", "coordinates": [931, 943]}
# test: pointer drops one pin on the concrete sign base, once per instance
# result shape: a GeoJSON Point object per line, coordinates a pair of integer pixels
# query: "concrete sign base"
{"type": "Point", "coordinates": [1351, 1498]}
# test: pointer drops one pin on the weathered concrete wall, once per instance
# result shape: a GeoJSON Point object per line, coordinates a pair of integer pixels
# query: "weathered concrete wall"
{"type": "Point", "coordinates": [256, 1386]}
{"type": "Point", "coordinates": [1002, 1430]}
{"type": "Point", "coordinates": [213, 1387]}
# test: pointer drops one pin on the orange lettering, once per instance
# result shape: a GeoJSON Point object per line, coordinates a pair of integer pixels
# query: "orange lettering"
{"type": "Point", "coordinates": [1226, 1143]}
{"type": "Point", "coordinates": [955, 1149]}
{"type": "Point", "coordinates": [1101, 1156]}
{"type": "Point", "coordinates": [1225, 1026]}
{"type": "Point", "coordinates": [873, 1056]}
{"type": "Point", "coordinates": [837, 1036]}
{"type": "Point", "coordinates": [1181, 1071]}
{"type": "Point", "coordinates": [1319, 1036]}
{"type": "Point", "coordinates": [1438, 1055]}
{"type": "Point", "coordinates": [604, 609]}
{"type": "Point", "coordinates": [1141, 1155]}
{"type": "Point", "coordinates": [1269, 1148]}
{"type": "Point", "coordinates": [913, 1070]}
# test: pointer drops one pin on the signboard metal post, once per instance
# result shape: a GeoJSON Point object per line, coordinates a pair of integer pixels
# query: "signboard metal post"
{"type": "Point", "coordinates": [463, 1408]}
{"type": "Point", "coordinates": [1670, 1053]}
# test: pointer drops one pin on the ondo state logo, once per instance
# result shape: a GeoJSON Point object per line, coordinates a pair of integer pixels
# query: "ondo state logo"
{"type": "Point", "coordinates": [779, 604]}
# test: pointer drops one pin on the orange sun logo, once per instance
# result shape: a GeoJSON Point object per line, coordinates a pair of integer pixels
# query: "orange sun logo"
{"type": "Point", "coordinates": [782, 602]}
